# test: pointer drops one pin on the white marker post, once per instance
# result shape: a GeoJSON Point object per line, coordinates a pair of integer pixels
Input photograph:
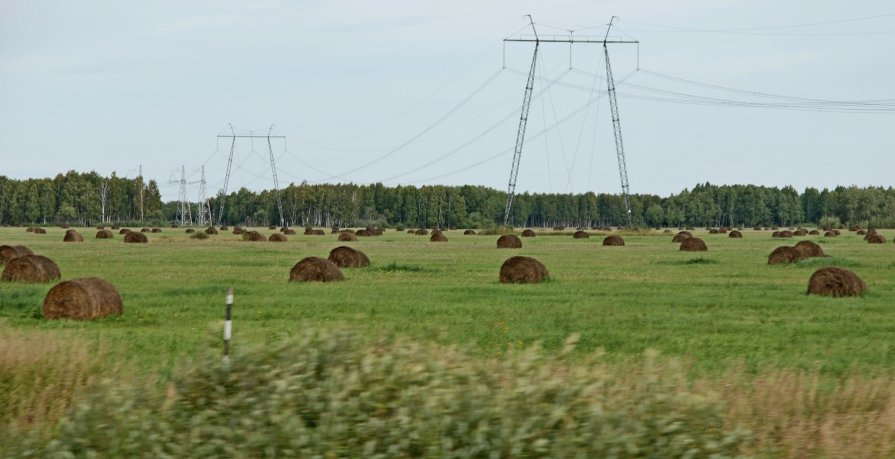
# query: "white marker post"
{"type": "Point", "coordinates": [228, 326]}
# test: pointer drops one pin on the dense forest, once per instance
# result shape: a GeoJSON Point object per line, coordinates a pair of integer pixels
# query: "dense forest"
{"type": "Point", "coordinates": [88, 199]}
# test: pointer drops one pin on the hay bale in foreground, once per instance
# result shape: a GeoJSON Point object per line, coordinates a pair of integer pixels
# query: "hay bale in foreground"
{"type": "Point", "coordinates": [679, 238]}
{"type": "Point", "coordinates": [693, 244]}
{"type": "Point", "coordinates": [613, 241]}
{"type": "Point", "coordinates": [522, 270]}
{"type": "Point", "coordinates": [73, 236]}
{"type": "Point", "coordinates": [809, 249]}
{"type": "Point", "coordinates": [315, 269]}
{"type": "Point", "coordinates": [133, 237]}
{"type": "Point", "coordinates": [8, 252]}
{"type": "Point", "coordinates": [31, 269]}
{"type": "Point", "coordinates": [784, 255]}
{"type": "Point", "coordinates": [875, 239]}
{"type": "Point", "coordinates": [836, 282]}
{"type": "Point", "coordinates": [735, 234]}
{"type": "Point", "coordinates": [277, 237]}
{"type": "Point", "coordinates": [580, 235]}
{"type": "Point", "coordinates": [82, 299]}
{"type": "Point", "coordinates": [469, 232]}
{"type": "Point", "coordinates": [509, 241]}
{"type": "Point", "coordinates": [104, 234]}
{"type": "Point", "coordinates": [529, 233]}
{"type": "Point", "coordinates": [438, 236]}
{"type": "Point", "coordinates": [253, 236]}
{"type": "Point", "coordinates": [347, 257]}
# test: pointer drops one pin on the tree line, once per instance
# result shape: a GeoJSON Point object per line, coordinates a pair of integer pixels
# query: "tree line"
{"type": "Point", "coordinates": [88, 198]}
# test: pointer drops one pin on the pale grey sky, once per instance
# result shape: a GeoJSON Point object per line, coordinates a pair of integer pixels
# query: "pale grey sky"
{"type": "Point", "coordinates": [109, 85]}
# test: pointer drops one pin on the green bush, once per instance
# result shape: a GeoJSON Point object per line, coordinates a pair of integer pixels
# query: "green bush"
{"type": "Point", "coordinates": [329, 395]}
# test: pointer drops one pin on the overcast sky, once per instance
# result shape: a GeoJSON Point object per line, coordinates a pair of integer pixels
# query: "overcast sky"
{"type": "Point", "coordinates": [414, 92]}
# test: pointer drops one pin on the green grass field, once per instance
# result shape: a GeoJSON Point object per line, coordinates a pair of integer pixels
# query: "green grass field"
{"type": "Point", "coordinates": [717, 309]}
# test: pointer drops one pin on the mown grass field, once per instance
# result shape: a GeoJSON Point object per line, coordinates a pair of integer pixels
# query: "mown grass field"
{"type": "Point", "coordinates": [718, 309]}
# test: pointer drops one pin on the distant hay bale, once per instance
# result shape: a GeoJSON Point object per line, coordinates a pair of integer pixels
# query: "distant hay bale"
{"type": "Point", "coordinates": [686, 233]}
{"type": "Point", "coordinates": [8, 252]}
{"type": "Point", "coordinates": [679, 237]}
{"type": "Point", "coordinates": [861, 233]}
{"type": "Point", "coordinates": [309, 230]}
{"type": "Point", "coordinates": [40, 231]}
{"type": "Point", "coordinates": [134, 237]}
{"type": "Point", "coordinates": [145, 230]}
{"type": "Point", "coordinates": [784, 255]}
{"type": "Point", "coordinates": [284, 229]}
{"type": "Point", "coordinates": [410, 231]}
{"type": "Point", "coordinates": [713, 231]}
{"type": "Point", "coordinates": [82, 299]}
{"type": "Point", "coordinates": [272, 227]}
{"type": "Point", "coordinates": [693, 244]}
{"type": "Point", "coordinates": [175, 226]}
{"type": "Point", "coordinates": [211, 230]}
{"type": "Point", "coordinates": [613, 241]}
{"type": "Point", "coordinates": [775, 234]}
{"type": "Point", "coordinates": [224, 228]}
{"type": "Point", "coordinates": [523, 270]}
{"type": "Point", "coordinates": [756, 228]}
{"type": "Point", "coordinates": [421, 232]}
{"type": "Point", "coordinates": [469, 232]}
{"type": "Point", "coordinates": [190, 231]}
{"type": "Point", "coordinates": [800, 232]}
{"type": "Point", "coordinates": [835, 282]}
{"type": "Point", "coordinates": [689, 228]}
{"type": "Point", "coordinates": [377, 231]}
{"type": "Point", "coordinates": [289, 232]}
{"type": "Point", "coordinates": [315, 269]}
{"type": "Point", "coordinates": [559, 228]}
{"type": "Point", "coordinates": [854, 228]}
{"type": "Point", "coordinates": [438, 236]}
{"type": "Point", "coordinates": [124, 231]}
{"type": "Point", "coordinates": [30, 229]}
{"type": "Point", "coordinates": [347, 257]}
{"type": "Point", "coordinates": [814, 233]}
{"type": "Point", "coordinates": [363, 233]}
{"type": "Point", "coordinates": [318, 232]}
{"type": "Point", "coordinates": [238, 231]}
{"type": "Point", "coordinates": [785, 234]}
{"type": "Point", "coordinates": [400, 229]}
{"type": "Point", "coordinates": [735, 234]}
{"type": "Point", "coordinates": [529, 233]}
{"type": "Point", "coordinates": [580, 235]}
{"type": "Point", "coordinates": [667, 232]}
{"type": "Point", "coordinates": [104, 234]}
{"type": "Point", "coordinates": [829, 234]}
{"type": "Point", "coordinates": [31, 269]}
{"type": "Point", "coordinates": [509, 241]}
{"type": "Point", "coordinates": [253, 236]}
{"type": "Point", "coordinates": [347, 236]}
{"type": "Point", "coordinates": [809, 249]}
{"type": "Point", "coordinates": [73, 236]}
{"type": "Point", "coordinates": [277, 237]}
{"type": "Point", "coordinates": [115, 227]}
{"type": "Point", "coordinates": [875, 239]}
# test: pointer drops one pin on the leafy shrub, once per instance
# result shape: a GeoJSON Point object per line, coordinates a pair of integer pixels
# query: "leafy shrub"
{"type": "Point", "coordinates": [330, 395]}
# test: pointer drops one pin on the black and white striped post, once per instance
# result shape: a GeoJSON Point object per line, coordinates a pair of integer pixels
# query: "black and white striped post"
{"type": "Point", "coordinates": [228, 325]}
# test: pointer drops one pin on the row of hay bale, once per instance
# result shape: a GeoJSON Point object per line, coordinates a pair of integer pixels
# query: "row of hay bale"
{"type": "Point", "coordinates": [801, 251]}
{"type": "Point", "coordinates": [689, 243]}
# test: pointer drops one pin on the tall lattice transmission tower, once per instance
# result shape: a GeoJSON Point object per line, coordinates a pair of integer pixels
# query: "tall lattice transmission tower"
{"type": "Point", "coordinates": [184, 216]}
{"type": "Point", "coordinates": [204, 216]}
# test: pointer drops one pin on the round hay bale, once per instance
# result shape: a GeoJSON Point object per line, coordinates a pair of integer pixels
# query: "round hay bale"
{"type": "Point", "coordinates": [829, 234]}
{"type": "Point", "coordinates": [559, 228]}
{"type": "Point", "coordinates": [224, 228]}
{"type": "Point", "coordinates": [509, 241]}
{"type": "Point", "coordinates": [469, 232]}
{"type": "Point", "coordinates": [40, 231]}
{"type": "Point", "coordinates": [283, 229]}
{"type": "Point", "coordinates": [861, 233]}
{"type": "Point", "coordinates": [693, 244]}
{"type": "Point", "coordinates": [318, 232]}
{"type": "Point", "coordinates": [421, 232]}
{"type": "Point", "coordinates": [785, 234]}
{"type": "Point", "coordinates": [82, 299]}
{"type": "Point", "coordinates": [875, 239]}
{"type": "Point", "coordinates": [124, 231]}
{"type": "Point", "coordinates": [679, 237]}
{"type": "Point", "coordinates": [315, 269]}
{"type": "Point", "coordinates": [253, 236]}
{"type": "Point", "coordinates": [211, 230]}
{"type": "Point", "coordinates": [438, 236]}
{"type": "Point", "coordinates": [73, 236]}
{"type": "Point", "coordinates": [8, 252]}
{"type": "Point", "coordinates": [190, 231]}
{"type": "Point", "coordinates": [410, 231]}
{"type": "Point", "coordinates": [145, 230]}
{"type": "Point", "coordinates": [690, 228]}
{"type": "Point", "coordinates": [814, 233]}
{"type": "Point", "coordinates": [529, 233]}
{"type": "Point", "coordinates": [522, 270]}
{"type": "Point", "coordinates": [581, 235]}
{"type": "Point", "coordinates": [377, 231]}
{"type": "Point", "coordinates": [735, 234]}
{"type": "Point", "coordinates": [347, 257]}
{"type": "Point", "coordinates": [837, 232]}
{"type": "Point", "coordinates": [104, 234]}
{"type": "Point", "coordinates": [347, 236]}
{"type": "Point", "coordinates": [713, 231]}
{"type": "Point", "coordinates": [31, 269]}
{"type": "Point", "coordinates": [30, 229]}
{"type": "Point", "coordinates": [756, 228]}
{"type": "Point", "coordinates": [175, 226]}
{"type": "Point", "coordinates": [775, 234]}
{"type": "Point", "coordinates": [272, 227]}
{"type": "Point", "coordinates": [685, 233]}
{"type": "Point", "coordinates": [400, 229]}
{"type": "Point", "coordinates": [784, 255]}
{"type": "Point", "coordinates": [289, 232]}
{"type": "Point", "coordinates": [277, 237]}
{"type": "Point", "coordinates": [809, 249]}
{"type": "Point", "coordinates": [613, 241]}
{"type": "Point", "coordinates": [800, 232]}
{"type": "Point", "coordinates": [363, 233]}
{"type": "Point", "coordinates": [836, 282]}
{"type": "Point", "coordinates": [238, 231]}
{"type": "Point", "coordinates": [115, 227]}
{"type": "Point", "coordinates": [134, 237]}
